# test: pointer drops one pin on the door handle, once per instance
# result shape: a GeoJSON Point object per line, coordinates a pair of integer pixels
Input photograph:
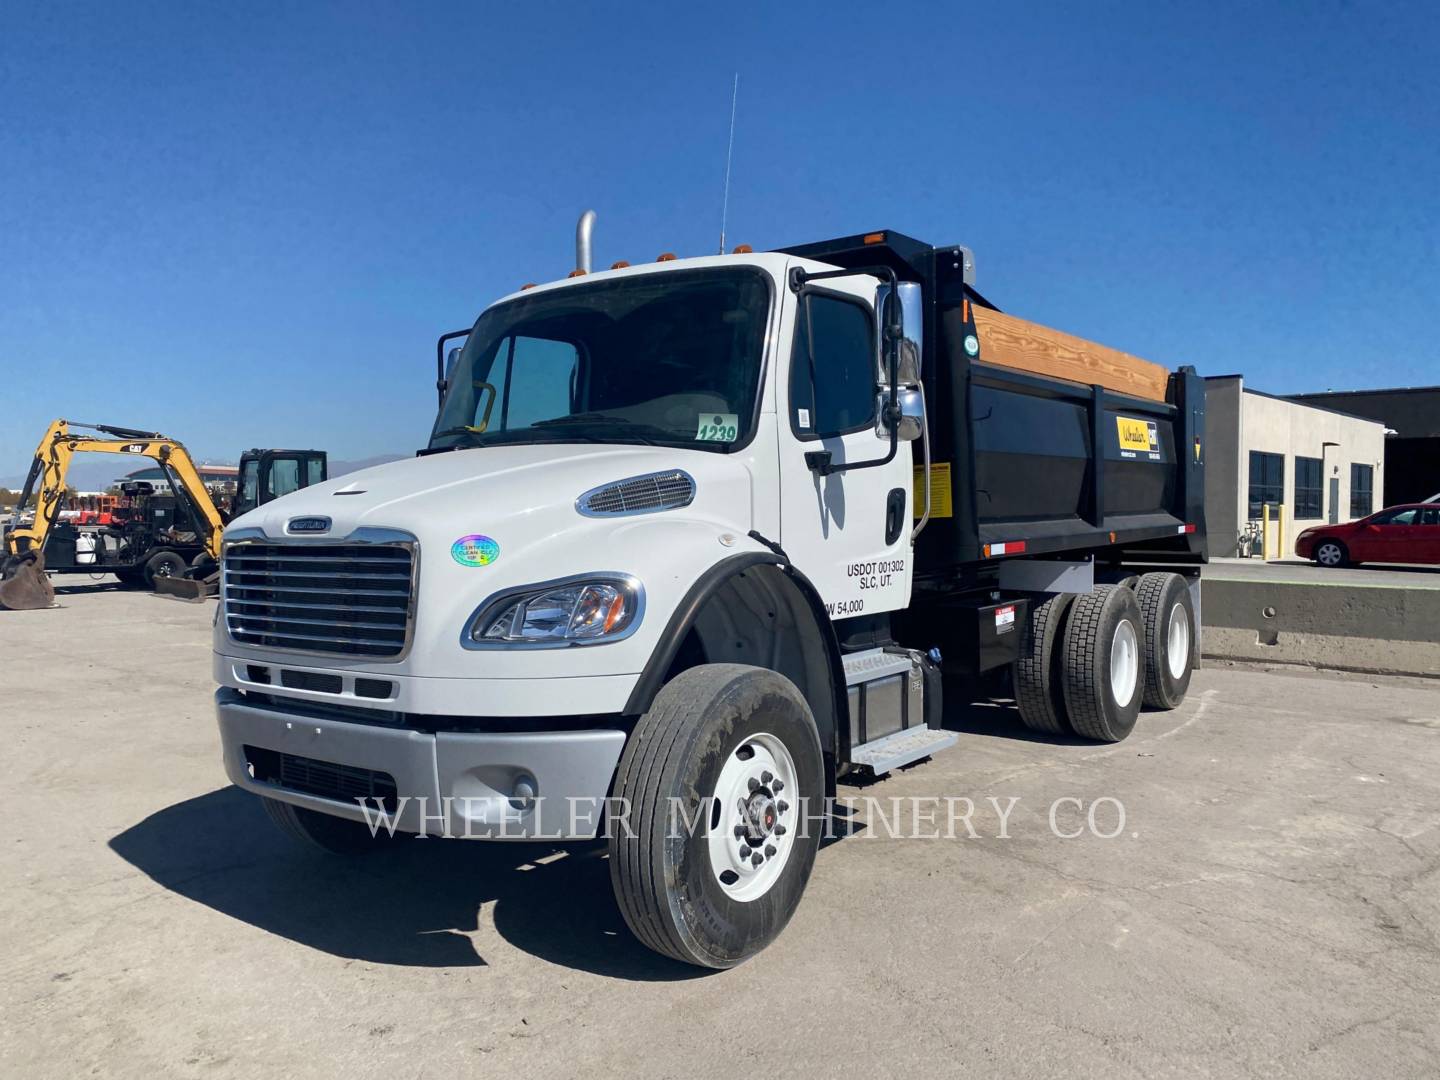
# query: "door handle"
{"type": "Point", "coordinates": [894, 515]}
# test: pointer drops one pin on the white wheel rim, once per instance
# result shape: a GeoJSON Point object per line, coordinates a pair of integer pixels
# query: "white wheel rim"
{"type": "Point", "coordinates": [1329, 554]}
{"type": "Point", "coordinates": [758, 820]}
{"type": "Point", "coordinates": [1124, 663]}
{"type": "Point", "coordinates": [1177, 642]}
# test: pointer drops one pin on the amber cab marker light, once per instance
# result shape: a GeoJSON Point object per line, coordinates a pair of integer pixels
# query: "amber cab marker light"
{"type": "Point", "coordinates": [874, 238]}
{"type": "Point", "coordinates": [666, 256]}
{"type": "Point", "coordinates": [619, 264]}
{"type": "Point", "coordinates": [576, 273]}
{"type": "Point", "coordinates": [527, 285]}
{"type": "Point", "coordinates": [742, 249]}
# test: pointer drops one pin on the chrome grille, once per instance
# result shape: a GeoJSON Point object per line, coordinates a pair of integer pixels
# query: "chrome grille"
{"type": "Point", "coordinates": [646, 494]}
{"type": "Point", "coordinates": [346, 598]}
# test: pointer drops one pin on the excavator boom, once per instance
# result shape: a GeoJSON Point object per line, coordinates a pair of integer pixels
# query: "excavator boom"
{"type": "Point", "coordinates": [21, 552]}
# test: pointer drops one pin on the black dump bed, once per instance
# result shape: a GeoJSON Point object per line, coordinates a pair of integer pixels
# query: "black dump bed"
{"type": "Point", "coordinates": [1027, 463]}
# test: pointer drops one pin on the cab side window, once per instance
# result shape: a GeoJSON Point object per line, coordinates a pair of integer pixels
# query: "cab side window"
{"type": "Point", "coordinates": [833, 368]}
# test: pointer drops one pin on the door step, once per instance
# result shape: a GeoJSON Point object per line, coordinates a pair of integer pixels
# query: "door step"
{"type": "Point", "coordinates": [902, 748]}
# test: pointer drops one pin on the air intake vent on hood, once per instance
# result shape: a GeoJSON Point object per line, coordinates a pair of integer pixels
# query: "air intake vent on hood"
{"type": "Point", "coordinates": [646, 494]}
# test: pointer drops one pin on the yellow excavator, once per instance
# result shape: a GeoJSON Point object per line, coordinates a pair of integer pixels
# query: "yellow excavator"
{"type": "Point", "coordinates": [170, 541]}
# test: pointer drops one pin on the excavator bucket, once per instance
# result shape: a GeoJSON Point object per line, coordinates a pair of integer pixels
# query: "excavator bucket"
{"type": "Point", "coordinates": [195, 589]}
{"type": "Point", "coordinates": [24, 586]}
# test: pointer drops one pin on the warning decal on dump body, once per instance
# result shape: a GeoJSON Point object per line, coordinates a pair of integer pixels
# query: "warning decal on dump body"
{"type": "Point", "coordinates": [1138, 435]}
{"type": "Point", "coordinates": [939, 491]}
{"type": "Point", "coordinates": [1005, 619]}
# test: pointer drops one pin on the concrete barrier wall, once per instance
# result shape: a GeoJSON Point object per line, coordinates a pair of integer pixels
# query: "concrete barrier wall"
{"type": "Point", "coordinates": [1371, 628]}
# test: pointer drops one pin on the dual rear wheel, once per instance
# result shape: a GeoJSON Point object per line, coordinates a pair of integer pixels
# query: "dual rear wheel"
{"type": "Point", "coordinates": [1087, 662]}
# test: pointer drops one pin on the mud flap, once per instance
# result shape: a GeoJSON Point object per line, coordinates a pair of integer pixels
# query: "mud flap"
{"type": "Point", "coordinates": [25, 586]}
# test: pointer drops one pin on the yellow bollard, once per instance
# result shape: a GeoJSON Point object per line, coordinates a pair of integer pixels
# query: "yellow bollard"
{"type": "Point", "coordinates": [1265, 531]}
{"type": "Point", "coordinates": [1280, 530]}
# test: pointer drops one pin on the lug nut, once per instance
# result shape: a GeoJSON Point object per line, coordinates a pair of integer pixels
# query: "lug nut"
{"type": "Point", "coordinates": [769, 851]}
{"type": "Point", "coordinates": [756, 859]}
{"type": "Point", "coordinates": [782, 806]}
{"type": "Point", "coordinates": [744, 852]}
{"type": "Point", "coordinates": [739, 832]}
{"type": "Point", "coordinates": [778, 786]}
{"type": "Point", "coordinates": [753, 783]}
{"type": "Point", "coordinates": [779, 830]}
{"type": "Point", "coordinates": [766, 777]}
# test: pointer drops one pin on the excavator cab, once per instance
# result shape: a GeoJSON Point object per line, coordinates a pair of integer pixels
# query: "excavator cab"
{"type": "Point", "coordinates": [269, 474]}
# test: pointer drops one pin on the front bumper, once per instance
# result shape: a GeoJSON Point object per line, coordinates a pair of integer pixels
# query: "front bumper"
{"type": "Point", "coordinates": [446, 783]}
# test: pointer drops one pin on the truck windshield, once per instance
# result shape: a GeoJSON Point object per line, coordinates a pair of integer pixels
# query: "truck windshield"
{"type": "Point", "coordinates": [670, 358]}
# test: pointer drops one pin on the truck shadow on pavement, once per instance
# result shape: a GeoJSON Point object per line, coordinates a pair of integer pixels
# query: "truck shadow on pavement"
{"type": "Point", "coordinates": [417, 904]}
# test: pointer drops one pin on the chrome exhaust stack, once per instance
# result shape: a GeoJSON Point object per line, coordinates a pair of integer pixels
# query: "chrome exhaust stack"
{"type": "Point", "coordinates": [583, 230]}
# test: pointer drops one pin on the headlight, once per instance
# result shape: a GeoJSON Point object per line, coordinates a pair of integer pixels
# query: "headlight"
{"type": "Point", "coordinates": [575, 611]}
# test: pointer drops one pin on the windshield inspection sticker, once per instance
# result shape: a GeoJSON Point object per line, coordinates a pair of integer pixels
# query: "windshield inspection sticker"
{"type": "Point", "coordinates": [1138, 436]}
{"type": "Point", "coordinates": [475, 550]}
{"type": "Point", "coordinates": [718, 427]}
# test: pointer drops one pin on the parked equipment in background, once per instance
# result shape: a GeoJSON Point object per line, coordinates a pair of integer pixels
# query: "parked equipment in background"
{"type": "Point", "coordinates": [166, 540]}
{"type": "Point", "coordinates": [691, 541]}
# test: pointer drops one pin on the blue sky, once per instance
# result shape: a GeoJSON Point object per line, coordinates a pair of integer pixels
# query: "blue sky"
{"type": "Point", "coordinates": [246, 224]}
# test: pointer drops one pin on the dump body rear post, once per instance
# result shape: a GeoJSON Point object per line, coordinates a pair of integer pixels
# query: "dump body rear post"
{"type": "Point", "coordinates": [690, 544]}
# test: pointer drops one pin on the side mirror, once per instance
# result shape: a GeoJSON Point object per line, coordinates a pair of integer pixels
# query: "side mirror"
{"type": "Point", "coordinates": [450, 358]}
{"type": "Point", "coordinates": [910, 318]}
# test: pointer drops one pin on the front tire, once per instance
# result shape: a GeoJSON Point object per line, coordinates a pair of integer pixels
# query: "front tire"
{"type": "Point", "coordinates": [715, 851]}
{"type": "Point", "coordinates": [1104, 669]}
{"type": "Point", "coordinates": [1170, 638]}
{"type": "Point", "coordinates": [1331, 554]}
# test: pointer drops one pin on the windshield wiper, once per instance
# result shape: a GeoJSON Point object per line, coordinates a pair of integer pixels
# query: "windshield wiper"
{"type": "Point", "coordinates": [583, 418]}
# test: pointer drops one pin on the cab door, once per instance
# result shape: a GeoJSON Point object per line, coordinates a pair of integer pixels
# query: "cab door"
{"type": "Point", "coordinates": [848, 531]}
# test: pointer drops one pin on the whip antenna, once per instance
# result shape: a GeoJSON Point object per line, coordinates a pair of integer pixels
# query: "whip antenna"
{"type": "Point", "coordinates": [729, 153]}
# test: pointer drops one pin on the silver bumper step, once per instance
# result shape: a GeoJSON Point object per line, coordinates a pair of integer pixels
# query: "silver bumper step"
{"type": "Point", "coordinates": [902, 748]}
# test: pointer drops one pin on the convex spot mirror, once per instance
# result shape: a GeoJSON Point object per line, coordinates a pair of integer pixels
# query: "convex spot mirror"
{"type": "Point", "coordinates": [911, 402]}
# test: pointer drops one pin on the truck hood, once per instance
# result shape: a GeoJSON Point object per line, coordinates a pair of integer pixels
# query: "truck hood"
{"type": "Point", "coordinates": [477, 488]}
{"type": "Point", "coordinates": [517, 505]}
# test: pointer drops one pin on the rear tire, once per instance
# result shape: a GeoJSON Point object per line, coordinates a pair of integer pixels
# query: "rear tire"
{"type": "Point", "coordinates": [1331, 554]}
{"type": "Point", "coordinates": [711, 731]}
{"type": "Point", "coordinates": [1170, 638]}
{"type": "Point", "coordinates": [1039, 674]}
{"type": "Point", "coordinates": [1104, 669]}
{"type": "Point", "coordinates": [163, 564]}
{"type": "Point", "coordinates": [334, 835]}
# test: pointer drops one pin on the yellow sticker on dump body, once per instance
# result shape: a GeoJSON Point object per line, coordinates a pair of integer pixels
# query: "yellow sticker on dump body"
{"type": "Point", "coordinates": [939, 490]}
{"type": "Point", "coordinates": [1137, 434]}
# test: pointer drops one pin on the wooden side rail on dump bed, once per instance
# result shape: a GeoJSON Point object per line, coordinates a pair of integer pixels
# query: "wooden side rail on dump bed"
{"type": "Point", "coordinates": [1040, 350]}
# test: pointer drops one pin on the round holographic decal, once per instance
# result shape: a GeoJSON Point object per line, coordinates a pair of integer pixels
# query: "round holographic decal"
{"type": "Point", "coordinates": [475, 550]}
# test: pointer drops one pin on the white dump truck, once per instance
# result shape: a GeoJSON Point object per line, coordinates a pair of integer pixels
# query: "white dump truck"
{"type": "Point", "coordinates": [692, 542]}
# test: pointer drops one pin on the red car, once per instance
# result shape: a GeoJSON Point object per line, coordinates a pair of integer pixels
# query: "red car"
{"type": "Point", "coordinates": [1397, 534]}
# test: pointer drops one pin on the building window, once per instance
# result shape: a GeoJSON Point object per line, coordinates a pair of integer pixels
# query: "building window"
{"type": "Point", "coordinates": [1362, 490]}
{"type": "Point", "coordinates": [1309, 488]}
{"type": "Point", "coordinates": [1267, 480]}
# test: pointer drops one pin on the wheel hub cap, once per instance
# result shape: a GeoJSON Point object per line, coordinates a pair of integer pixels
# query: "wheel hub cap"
{"type": "Point", "coordinates": [753, 817]}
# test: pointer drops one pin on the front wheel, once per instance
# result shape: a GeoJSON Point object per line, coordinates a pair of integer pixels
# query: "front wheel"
{"type": "Point", "coordinates": [1331, 553]}
{"type": "Point", "coordinates": [711, 845]}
